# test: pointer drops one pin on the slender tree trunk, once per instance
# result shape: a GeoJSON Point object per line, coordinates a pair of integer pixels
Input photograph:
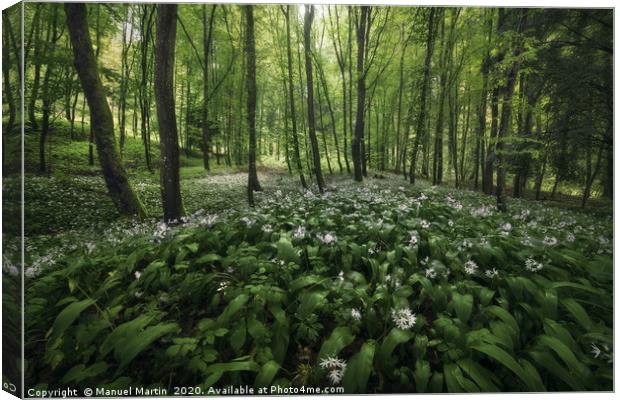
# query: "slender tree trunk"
{"type": "Point", "coordinates": [291, 96]}
{"type": "Point", "coordinates": [250, 52]}
{"type": "Point", "coordinates": [47, 101]}
{"type": "Point", "coordinates": [482, 108]}
{"type": "Point", "coordinates": [316, 156]}
{"type": "Point", "coordinates": [34, 91]}
{"type": "Point", "coordinates": [511, 77]}
{"type": "Point", "coordinates": [430, 40]}
{"type": "Point", "coordinates": [102, 123]}
{"type": "Point", "coordinates": [166, 116]}
{"type": "Point", "coordinates": [356, 148]}
{"type": "Point", "coordinates": [208, 38]}
{"type": "Point", "coordinates": [6, 75]}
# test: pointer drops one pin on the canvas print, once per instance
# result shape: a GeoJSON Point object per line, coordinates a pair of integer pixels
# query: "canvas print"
{"type": "Point", "coordinates": [296, 199]}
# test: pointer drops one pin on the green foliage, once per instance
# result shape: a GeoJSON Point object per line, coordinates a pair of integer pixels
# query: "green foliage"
{"type": "Point", "coordinates": [245, 297]}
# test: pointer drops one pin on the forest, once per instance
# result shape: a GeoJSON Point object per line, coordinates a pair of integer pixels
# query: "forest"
{"type": "Point", "coordinates": [361, 198]}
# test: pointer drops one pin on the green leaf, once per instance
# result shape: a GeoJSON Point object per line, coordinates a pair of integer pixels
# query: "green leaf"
{"type": "Point", "coordinates": [393, 339]}
{"type": "Point", "coordinates": [506, 360]}
{"type": "Point", "coordinates": [480, 375]}
{"type": "Point", "coordinates": [127, 350]}
{"type": "Point", "coordinates": [80, 372]}
{"type": "Point", "coordinates": [304, 281]}
{"type": "Point", "coordinates": [564, 352]}
{"type": "Point", "coordinates": [266, 374]}
{"type": "Point", "coordinates": [359, 368]}
{"type": "Point", "coordinates": [578, 312]}
{"type": "Point", "coordinates": [340, 338]}
{"type": "Point", "coordinates": [232, 308]}
{"type": "Point", "coordinates": [216, 371]}
{"type": "Point", "coordinates": [67, 316]}
{"type": "Point", "coordinates": [463, 305]}
{"type": "Point", "coordinates": [286, 251]}
{"type": "Point", "coordinates": [506, 317]}
{"type": "Point", "coordinates": [421, 375]}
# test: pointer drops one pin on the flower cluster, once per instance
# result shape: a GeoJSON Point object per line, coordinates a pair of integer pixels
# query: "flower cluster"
{"type": "Point", "coordinates": [403, 318]}
{"type": "Point", "coordinates": [336, 367]}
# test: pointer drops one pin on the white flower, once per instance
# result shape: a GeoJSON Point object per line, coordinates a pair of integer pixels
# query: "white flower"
{"type": "Point", "coordinates": [491, 273]}
{"type": "Point", "coordinates": [90, 247]}
{"type": "Point", "coordinates": [484, 242]}
{"type": "Point", "coordinates": [431, 273]}
{"type": "Point", "coordinates": [570, 238]}
{"type": "Point", "coordinates": [450, 223]}
{"type": "Point", "coordinates": [335, 376]}
{"type": "Point", "coordinates": [467, 244]}
{"type": "Point", "coordinates": [403, 318]}
{"type": "Point", "coordinates": [425, 224]}
{"type": "Point", "coordinates": [533, 265]}
{"type": "Point", "coordinates": [31, 272]}
{"type": "Point", "coordinates": [328, 238]}
{"type": "Point", "coordinates": [550, 241]}
{"type": "Point", "coordinates": [341, 276]}
{"type": "Point", "coordinates": [471, 267]}
{"type": "Point", "coordinates": [595, 350]}
{"type": "Point", "coordinates": [333, 363]}
{"type": "Point", "coordinates": [414, 239]}
{"type": "Point", "coordinates": [267, 228]}
{"type": "Point", "coordinates": [137, 274]}
{"type": "Point", "coordinates": [160, 231]}
{"type": "Point", "coordinates": [506, 227]}
{"type": "Point", "coordinates": [299, 233]}
{"type": "Point", "coordinates": [355, 314]}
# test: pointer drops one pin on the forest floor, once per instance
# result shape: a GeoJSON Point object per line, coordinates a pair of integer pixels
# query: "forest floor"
{"type": "Point", "coordinates": [350, 265]}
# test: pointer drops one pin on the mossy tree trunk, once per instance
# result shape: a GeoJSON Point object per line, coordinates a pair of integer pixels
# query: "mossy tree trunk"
{"type": "Point", "coordinates": [101, 120]}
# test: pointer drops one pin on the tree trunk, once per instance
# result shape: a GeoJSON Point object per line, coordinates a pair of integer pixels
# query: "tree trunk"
{"type": "Point", "coordinates": [102, 123]}
{"type": "Point", "coordinates": [6, 76]}
{"type": "Point", "coordinates": [316, 156]}
{"type": "Point", "coordinates": [356, 146]}
{"type": "Point", "coordinates": [291, 95]}
{"type": "Point", "coordinates": [509, 89]}
{"type": "Point", "coordinates": [208, 35]}
{"type": "Point", "coordinates": [166, 116]}
{"type": "Point", "coordinates": [430, 40]}
{"type": "Point", "coordinates": [250, 51]}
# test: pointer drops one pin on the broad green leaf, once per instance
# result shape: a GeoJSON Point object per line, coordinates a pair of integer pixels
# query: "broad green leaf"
{"type": "Point", "coordinates": [266, 374]}
{"type": "Point", "coordinates": [393, 339]}
{"type": "Point", "coordinates": [578, 312]}
{"type": "Point", "coordinates": [340, 338]}
{"type": "Point", "coordinates": [359, 368]}
{"type": "Point", "coordinates": [463, 306]}
{"type": "Point", "coordinates": [67, 316]}
{"type": "Point", "coordinates": [126, 351]}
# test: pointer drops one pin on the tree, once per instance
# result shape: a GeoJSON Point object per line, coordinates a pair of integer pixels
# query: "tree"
{"type": "Point", "coordinates": [208, 39]}
{"type": "Point", "coordinates": [291, 97]}
{"type": "Point", "coordinates": [511, 76]}
{"type": "Point", "coordinates": [114, 173]}
{"type": "Point", "coordinates": [316, 157]}
{"type": "Point", "coordinates": [356, 145]}
{"type": "Point", "coordinates": [419, 132]}
{"type": "Point", "coordinates": [250, 52]}
{"type": "Point", "coordinates": [166, 116]}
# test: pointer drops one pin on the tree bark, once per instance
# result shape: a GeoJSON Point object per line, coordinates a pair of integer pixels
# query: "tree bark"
{"type": "Point", "coordinates": [102, 123]}
{"type": "Point", "coordinates": [166, 117]}
{"type": "Point", "coordinates": [316, 156]}
{"type": "Point", "coordinates": [250, 51]}
{"type": "Point", "coordinates": [509, 89]}
{"type": "Point", "coordinates": [356, 146]}
{"type": "Point", "coordinates": [208, 38]}
{"type": "Point", "coordinates": [291, 95]}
